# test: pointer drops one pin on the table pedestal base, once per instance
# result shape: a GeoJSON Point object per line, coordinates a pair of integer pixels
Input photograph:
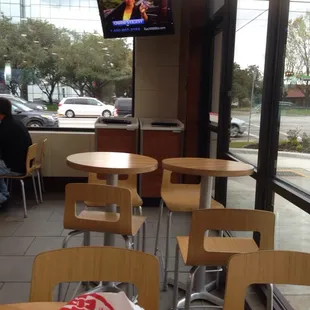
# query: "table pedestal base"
{"type": "Point", "coordinates": [203, 296]}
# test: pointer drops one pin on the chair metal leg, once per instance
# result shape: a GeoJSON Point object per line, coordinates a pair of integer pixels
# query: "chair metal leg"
{"type": "Point", "coordinates": [269, 296]}
{"type": "Point", "coordinates": [144, 237]}
{"type": "Point", "coordinates": [189, 287]}
{"type": "Point", "coordinates": [128, 242]}
{"type": "Point", "coordinates": [160, 214]}
{"type": "Point", "coordinates": [64, 245]}
{"type": "Point", "coordinates": [218, 275]}
{"type": "Point", "coordinates": [167, 251]}
{"type": "Point", "coordinates": [176, 278]}
{"type": "Point", "coordinates": [35, 188]}
{"type": "Point", "coordinates": [39, 185]}
{"type": "Point", "coordinates": [24, 198]}
{"type": "Point", "coordinates": [86, 238]}
{"type": "Point", "coordinates": [42, 181]}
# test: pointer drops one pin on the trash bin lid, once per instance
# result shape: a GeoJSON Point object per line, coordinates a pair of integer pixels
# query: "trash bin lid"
{"type": "Point", "coordinates": [161, 124]}
{"type": "Point", "coordinates": [129, 123]}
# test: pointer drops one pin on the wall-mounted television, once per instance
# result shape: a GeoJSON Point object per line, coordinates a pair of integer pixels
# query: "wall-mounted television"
{"type": "Point", "coordinates": [134, 18]}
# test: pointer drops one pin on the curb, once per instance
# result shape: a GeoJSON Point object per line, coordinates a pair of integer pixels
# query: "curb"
{"type": "Point", "coordinates": [281, 154]}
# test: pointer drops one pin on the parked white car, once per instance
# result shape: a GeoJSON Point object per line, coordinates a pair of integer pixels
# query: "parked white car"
{"type": "Point", "coordinates": [84, 106]}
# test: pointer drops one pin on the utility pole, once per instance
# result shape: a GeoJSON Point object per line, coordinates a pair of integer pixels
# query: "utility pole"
{"type": "Point", "coordinates": [251, 107]}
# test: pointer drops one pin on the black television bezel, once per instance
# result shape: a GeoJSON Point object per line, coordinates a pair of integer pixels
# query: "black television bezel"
{"type": "Point", "coordinates": [107, 34]}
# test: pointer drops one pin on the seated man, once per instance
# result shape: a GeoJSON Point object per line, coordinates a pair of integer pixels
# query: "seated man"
{"type": "Point", "coordinates": [14, 143]}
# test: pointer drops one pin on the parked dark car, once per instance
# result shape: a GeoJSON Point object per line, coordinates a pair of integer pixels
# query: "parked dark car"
{"type": "Point", "coordinates": [123, 107]}
{"type": "Point", "coordinates": [32, 118]}
{"type": "Point", "coordinates": [33, 105]}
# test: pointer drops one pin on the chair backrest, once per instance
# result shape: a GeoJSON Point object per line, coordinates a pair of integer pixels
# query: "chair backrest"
{"type": "Point", "coordinates": [31, 158]}
{"type": "Point", "coordinates": [101, 194]}
{"type": "Point", "coordinates": [41, 152]}
{"type": "Point", "coordinates": [130, 182]}
{"type": "Point", "coordinates": [167, 184]}
{"type": "Point", "coordinates": [96, 264]}
{"type": "Point", "coordinates": [262, 267]}
{"type": "Point", "coordinates": [262, 222]}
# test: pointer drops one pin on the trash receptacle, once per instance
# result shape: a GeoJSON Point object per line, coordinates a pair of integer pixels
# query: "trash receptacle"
{"type": "Point", "coordinates": [117, 134]}
{"type": "Point", "coordinates": [160, 139]}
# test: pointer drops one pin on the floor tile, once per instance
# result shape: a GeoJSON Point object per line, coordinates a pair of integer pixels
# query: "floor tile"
{"type": "Point", "coordinates": [8, 228]}
{"type": "Point", "coordinates": [43, 244]}
{"type": "Point", "coordinates": [299, 302]}
{"type": "Point", "coordinates": [40, 229]}
{"type": "Point", "coordinates": [16, 268]}
{"type": "Point", "coordinates": [14, 293]}
{"type": "Point", "coordinates": [14, 245]}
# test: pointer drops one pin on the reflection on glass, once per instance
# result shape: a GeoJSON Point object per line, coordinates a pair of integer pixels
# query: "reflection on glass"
{"type": "Point", "coordinates": [241, 195]}
{"type": "Point", "coordinates": [56, 51]}
{"type": "Point", "coordinates": [251, 33]}
{"type": "Point", "coordinates": [294, 137]}
{"type": "Point", "coordinates": [292, 234]}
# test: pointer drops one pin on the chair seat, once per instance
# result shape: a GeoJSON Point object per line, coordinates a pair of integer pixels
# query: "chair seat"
{"type": "Point", "coordinates": [221, 249]}
{"type": "Point", "coordinates": [184, 198]}
{"type": "Point", "coordinates": [111, 217]}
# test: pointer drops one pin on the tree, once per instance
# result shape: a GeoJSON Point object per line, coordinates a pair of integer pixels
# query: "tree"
{"type": "Point", "coordinates": [243, 82]}
{"type": "Point", "coordinates": [298, 53]}
{"type": "Point", "coordinates": [92, 64]}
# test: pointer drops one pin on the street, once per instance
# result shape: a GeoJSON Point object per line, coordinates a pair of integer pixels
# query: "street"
{"type": "Point", "coordinates": [287, 123]}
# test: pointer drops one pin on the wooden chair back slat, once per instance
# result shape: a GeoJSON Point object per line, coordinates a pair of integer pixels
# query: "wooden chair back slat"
{"type": "Point", "coordinates": [31, 158]}
{"type": "Point", "coordinates": [41, 146]}
{"type": "Point", "coordinates": [231, 220]}
{"type": "Point", "coordinates": [100, 194]}
{"type": "Point", "coordinates": [262, 267]}
{"type": "Point", "coordinates": [96, 264]}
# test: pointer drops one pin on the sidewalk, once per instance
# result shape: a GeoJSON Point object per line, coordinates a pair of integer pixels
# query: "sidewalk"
{"type": "Point", "coordinates": [286, 160]}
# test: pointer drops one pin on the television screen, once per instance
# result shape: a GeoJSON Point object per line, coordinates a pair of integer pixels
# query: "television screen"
{"type": "Point", "coordinates": [133, 18]}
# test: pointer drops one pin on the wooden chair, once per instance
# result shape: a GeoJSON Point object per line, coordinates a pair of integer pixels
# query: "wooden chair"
{"type": "Point", "coordinates": [199, 250]}
{"type": "Point", "coordinates": [276, 267]}
{"type": "Point", "coordinates": [177, 198]}
{"type": "Point", "coordinates": [30, 169]}
{"type": "Point", "coordinates": [130, 183]}
{"type": "Point", "coordinates": [38, 164]}
{"type": "Point", "coordinates": [122, 223]}
{"type": "Point", "coordinates": [96, 264]}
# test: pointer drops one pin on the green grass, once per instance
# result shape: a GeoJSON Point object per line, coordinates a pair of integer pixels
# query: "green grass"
{"type": "Point", "coordinates": [295, 112]}
{"type": "Point", "coordinates": [52, 107]}
{"type": "Point", "coordinates": [239, 144]}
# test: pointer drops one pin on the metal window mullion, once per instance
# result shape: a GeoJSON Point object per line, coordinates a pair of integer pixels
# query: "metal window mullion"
{"type": "Point", "coordinates": [273, 82]}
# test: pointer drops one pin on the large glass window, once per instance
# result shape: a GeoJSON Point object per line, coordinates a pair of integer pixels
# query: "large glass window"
{"type": "Point", "coordinates": [250, 46]}
{"type": "Point", "coordinates": [294, 136]}
{"type": "Point", "coordinates": [292, 227]}
{"type": "Point", "coordinates": [54, 50]}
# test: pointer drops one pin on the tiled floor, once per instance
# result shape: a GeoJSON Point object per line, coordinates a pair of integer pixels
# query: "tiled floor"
{"type": "Point", "coordinates": [21, 239]}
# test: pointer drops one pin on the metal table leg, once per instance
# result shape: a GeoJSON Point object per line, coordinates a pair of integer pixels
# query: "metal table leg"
{"type": "Point", "coordinates": [199, 287]}
{"type": "Point", "coordinates": [109, 239]}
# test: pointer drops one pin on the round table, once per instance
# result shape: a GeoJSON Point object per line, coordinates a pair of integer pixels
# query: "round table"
{"type": "Point", "coordinates": [207, 168]}
{"type": "Point", "coordinates": [111, 164]}
{"type": "Point", "coordinates": [34, 306]}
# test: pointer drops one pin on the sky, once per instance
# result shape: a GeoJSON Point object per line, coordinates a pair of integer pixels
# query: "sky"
{"type": "Point", "coordinates": [251, 31]}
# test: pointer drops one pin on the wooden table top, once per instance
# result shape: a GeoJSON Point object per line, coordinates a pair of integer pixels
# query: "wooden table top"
{"type": "Point", "coordinates": [34, 306]}
{"type": "Point", "coordinates": [207, 167]}
{"type": "Point", "coordinates": [112, 163]}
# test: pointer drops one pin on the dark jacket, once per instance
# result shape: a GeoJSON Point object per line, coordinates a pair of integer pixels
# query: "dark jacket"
{"type": "Point", "coordinates": [14, 143]}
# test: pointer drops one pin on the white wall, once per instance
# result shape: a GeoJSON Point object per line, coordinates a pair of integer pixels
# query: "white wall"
{"type": "Point", "coordinates": [157, 72]}
{"type": "Point", "coordinates": [59, 146]}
